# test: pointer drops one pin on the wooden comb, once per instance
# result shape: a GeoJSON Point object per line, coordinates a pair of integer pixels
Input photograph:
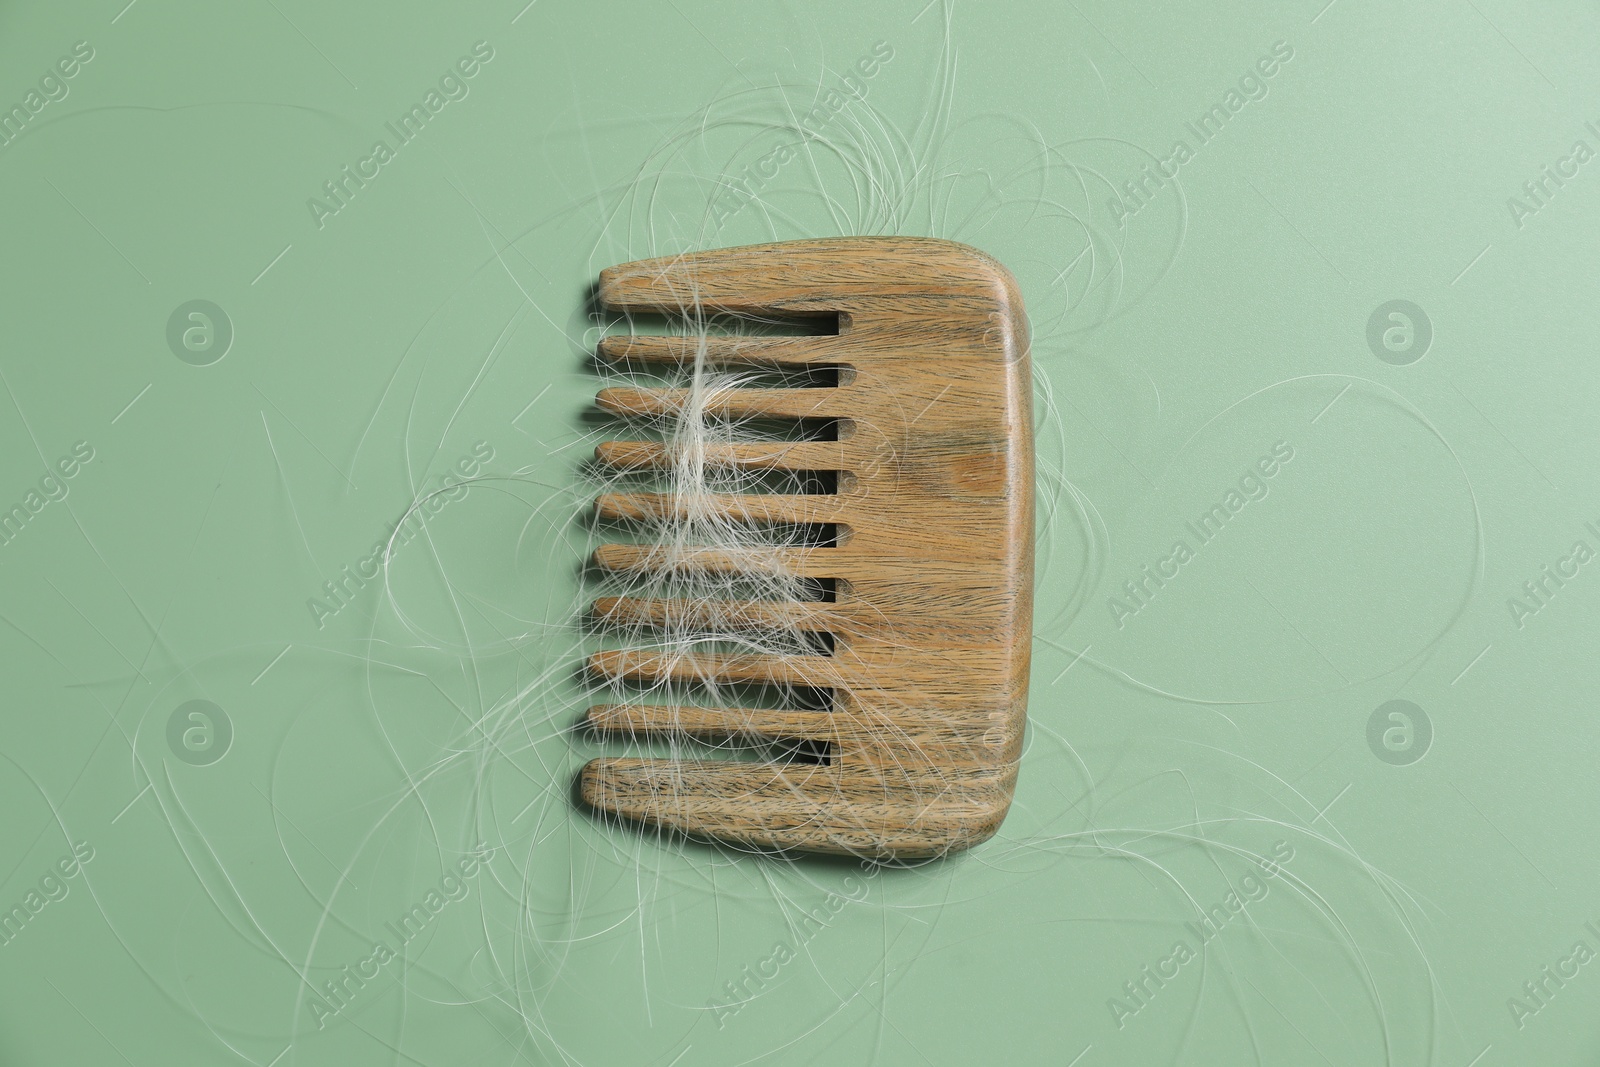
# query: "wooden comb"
{"type": "Point", "coordinates": [929, 625]}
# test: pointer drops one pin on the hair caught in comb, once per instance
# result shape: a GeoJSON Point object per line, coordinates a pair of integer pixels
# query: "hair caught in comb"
{"type": "Point", "coordinates": [835, 561]}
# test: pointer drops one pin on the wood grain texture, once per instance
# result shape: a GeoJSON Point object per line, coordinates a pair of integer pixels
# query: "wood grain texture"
{"type": "Point", "coordinates": [932, 624]}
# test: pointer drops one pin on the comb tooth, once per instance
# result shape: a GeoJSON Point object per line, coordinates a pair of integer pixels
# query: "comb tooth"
{"type": "Point", "coordinates": [758, 559]}
{"type": "Point", "coordinates": [639, 666]}
{"type": "Point", "coordinates": [732, 403]}
{"type": "Point", "coordinates": [766, 455]}
{"type": "Point", "coordinates": [784, 510]}
{"type": "Point", "coordinates": [719, 614]}
{"type": "Point", "coordinates": [808, 807]}
{"type": "Point", "coordinates": [701, 796]}
{"type": "Point", "coordinates": [715, 281]}
{"type": "Point", "coordinates": [845, 733]}
{"type": "Point", "coordinates": [647, 719]}
{"type": "Point", "coordinates": [761, 279]}
{"type": "Point", "coordinates": [789, 351]}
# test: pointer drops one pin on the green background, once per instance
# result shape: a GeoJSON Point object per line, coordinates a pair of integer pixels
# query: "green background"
{"type": "Point", "coordinates": [349, 760]}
